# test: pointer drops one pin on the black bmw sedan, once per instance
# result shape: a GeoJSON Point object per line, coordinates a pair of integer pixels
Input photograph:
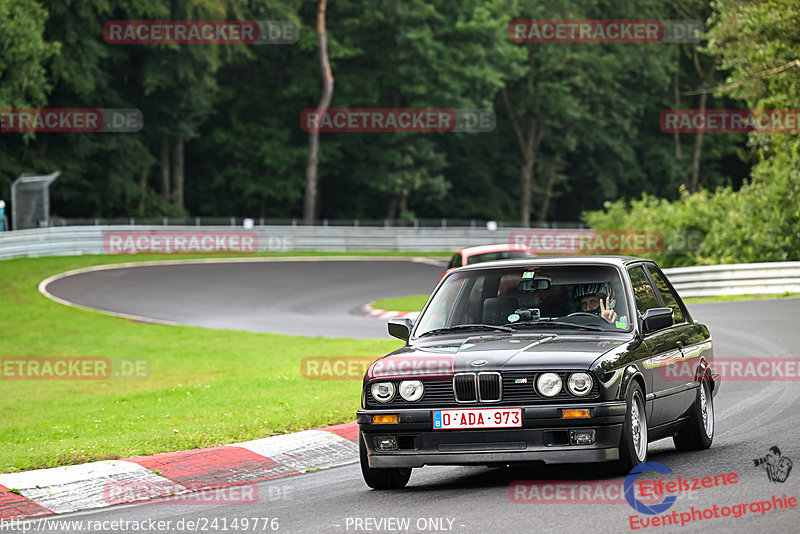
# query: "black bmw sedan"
{"type": "Point", "coordinates": [550, 359]}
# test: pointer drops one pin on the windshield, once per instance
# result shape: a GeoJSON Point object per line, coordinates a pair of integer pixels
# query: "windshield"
{"type": "Point", "coordinates": [523, 298]}
{"type": "Point", "coordinates": [500, 255]}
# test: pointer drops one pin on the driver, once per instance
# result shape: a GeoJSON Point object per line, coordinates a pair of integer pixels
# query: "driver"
{"type": "Point", "coordinates": [592, 299]}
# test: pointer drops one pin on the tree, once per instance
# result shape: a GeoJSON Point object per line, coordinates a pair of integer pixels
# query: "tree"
{"type": "Point", "coordinates": [582, 97]}
{"type": "Point", "coordinates": [23, 54]}
{"type": "Point", "coordinates": [758, 44]}
{"type": "Point", "coordinates": [310, 204]}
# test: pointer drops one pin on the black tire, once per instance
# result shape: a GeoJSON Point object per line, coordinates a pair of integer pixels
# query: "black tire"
{"type": "Point", "coordinates": [381, 479]}
{"type": "Point", "coordinates": [632, 451]}
{"type": "Point", "coordinates": [698, 432]}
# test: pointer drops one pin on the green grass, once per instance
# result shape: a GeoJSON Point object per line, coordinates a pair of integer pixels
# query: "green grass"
{"type": "Point", "coordinates": [402, 304]}
{"type": "Point", "coordinates": [206, 387]}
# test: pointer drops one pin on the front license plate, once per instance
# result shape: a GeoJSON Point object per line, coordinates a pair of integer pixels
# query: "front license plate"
{"type": "Point", "coordinates": [479, 418]}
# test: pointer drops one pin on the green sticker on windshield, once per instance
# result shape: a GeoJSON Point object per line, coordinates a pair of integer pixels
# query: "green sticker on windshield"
{"type": "Point", "coordinates": [529, 274]}
{"type": "Point", "coordinates": [622, 323]}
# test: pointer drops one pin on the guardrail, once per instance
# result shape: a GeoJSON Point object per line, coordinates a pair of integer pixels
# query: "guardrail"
{"type": "Point", "coordinates": [704, 281]}
{"type": "Point", "coordinates": [77, 240]}
{"type": "Point", "coordinates": [441, 222]}
{"type": "Point", "coordinates": [736, 279]}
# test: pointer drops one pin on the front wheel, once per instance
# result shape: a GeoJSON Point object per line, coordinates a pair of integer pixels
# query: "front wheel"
{"type": "Point", "coordinates": [698, 433]}
{"type": "Point", "coordinates": [633, 444]}
{"type": "Point", "coordinates": [381, 479]}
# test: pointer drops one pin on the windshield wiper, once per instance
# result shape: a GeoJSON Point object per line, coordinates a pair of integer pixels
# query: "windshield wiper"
{"type": "Point", "coordinates": [466, 327]}
{"type": "Point", "coordinates": [562, 324]}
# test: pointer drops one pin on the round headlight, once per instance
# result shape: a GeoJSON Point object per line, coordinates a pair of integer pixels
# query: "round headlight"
{"type": "Point", "coordinates": [579, 384]}
{"type": "Point", "coordinates": [382, 391]}
{"type": "Point", "coordinates": [549, 384]}
{"type": "Point", "coordinates": [411, 390]}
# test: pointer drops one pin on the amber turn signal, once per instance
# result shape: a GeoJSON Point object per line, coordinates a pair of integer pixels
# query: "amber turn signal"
{"type": "Point", "coordinates": [384, 419]}
{"type": "Point", "coordinates": [573, 414]}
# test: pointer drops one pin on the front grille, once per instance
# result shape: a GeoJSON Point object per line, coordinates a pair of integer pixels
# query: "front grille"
{"type": "Point", "coordinates": [464, 387]}
{"type": "Point", "coordinates": [490, 387]}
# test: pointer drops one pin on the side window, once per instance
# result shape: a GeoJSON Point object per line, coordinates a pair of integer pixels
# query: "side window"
{"type": "Point", "coordinates": [642, 290]}
{"type": "Point", "coordinates": [455, 261]}
{"type": "Point", "coordinates": [442, 311]}
{"type": "Point", "coordinates": [666, 295]}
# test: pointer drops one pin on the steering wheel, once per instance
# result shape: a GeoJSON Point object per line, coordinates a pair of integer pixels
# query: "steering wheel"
{"type": "Point", "coordinates": [582, 313]}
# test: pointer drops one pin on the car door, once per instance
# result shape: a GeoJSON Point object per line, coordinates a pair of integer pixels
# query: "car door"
{"type": "Point", "coordinates": [663, 345]}
{"type": "Point", "coordinates": [677, 387]}
{"type": "Point", "coordinates": [645, 298]}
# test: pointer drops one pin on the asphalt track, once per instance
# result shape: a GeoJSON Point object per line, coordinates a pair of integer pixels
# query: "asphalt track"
{"type": "Point", "coordinates": [304, 298]}
{"type": "Point", "coordinates": [751, 417]}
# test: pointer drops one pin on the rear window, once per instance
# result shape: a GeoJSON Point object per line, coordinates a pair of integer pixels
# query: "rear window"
{"type": "Point", "coordinates": [501, 255]}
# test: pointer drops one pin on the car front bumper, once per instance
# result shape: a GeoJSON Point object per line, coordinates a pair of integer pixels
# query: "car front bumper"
{"type": "Point", "coordinates": [543, 437]}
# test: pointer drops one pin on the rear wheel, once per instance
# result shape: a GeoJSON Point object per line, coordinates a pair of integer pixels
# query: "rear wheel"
{"type": "Point", "coordinates": [633, 444]}
{"type": "Point", "coordinates": [698, 433]}
{"type": "Point", "coordinates": [381, 479]}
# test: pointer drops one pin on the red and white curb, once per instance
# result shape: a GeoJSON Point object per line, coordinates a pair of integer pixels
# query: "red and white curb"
{"type": "Point", "coordinates": [80, 487]}
{"type": "Point", "coordinates": [384, 314]}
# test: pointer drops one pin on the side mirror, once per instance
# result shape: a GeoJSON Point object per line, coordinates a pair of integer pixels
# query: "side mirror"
{"type": "Point", "coordinates": [656, 319]}
{"type": "Point", "coordinates": [400, 327]}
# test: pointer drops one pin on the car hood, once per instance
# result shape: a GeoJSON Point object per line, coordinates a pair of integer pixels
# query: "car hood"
{"type": "Point", "coordinates": [495, 353]}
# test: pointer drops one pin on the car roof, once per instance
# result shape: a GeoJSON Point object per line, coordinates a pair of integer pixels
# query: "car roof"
{"type": "Point", "coordinates": [482, 249]}
{"type": "Point", "coordinates": [619, 261]}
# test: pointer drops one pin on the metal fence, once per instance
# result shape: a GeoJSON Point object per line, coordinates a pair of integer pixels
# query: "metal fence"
{"type": "Point", "coordinates": [349, 223]}
{"type": "Point", "coordinates": [30, 200]}
{"type": "Point", "coordinates": [77, 240]}
{"type": "Point", "coordinates": [738, 279]}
